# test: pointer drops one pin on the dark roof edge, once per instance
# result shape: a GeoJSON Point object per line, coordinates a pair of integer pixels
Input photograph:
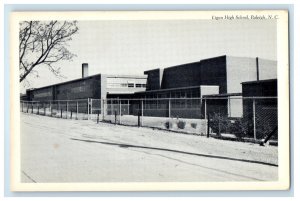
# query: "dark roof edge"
{"type": "Point", "coordinates": [259, 81]}
{"type": "Point", "coordinates": [196, 61]}
{"type": "Point", "coordinates": [223, 95]}
{"type": "Point", "coordinates": [66, 82]}
{"type": "Point", "coordinates": [179, 88]}
{"type": "Point", "coordinates": [187, 63]}
{"type": "Point", "coordinates": [151, 70]}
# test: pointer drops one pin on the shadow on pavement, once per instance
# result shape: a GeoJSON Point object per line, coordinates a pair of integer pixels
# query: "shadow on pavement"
{"type": "Point", "coordinates": [176, 151]}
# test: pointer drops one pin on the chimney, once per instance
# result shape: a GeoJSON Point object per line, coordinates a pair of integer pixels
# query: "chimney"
{"type": "Point", "coordinates": [257, 69]}
{"type": "Point", "coordinates": [85, 68]}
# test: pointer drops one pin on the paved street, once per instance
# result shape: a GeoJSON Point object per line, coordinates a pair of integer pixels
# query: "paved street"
{"type": "Point", "coordinates": [60, 150]}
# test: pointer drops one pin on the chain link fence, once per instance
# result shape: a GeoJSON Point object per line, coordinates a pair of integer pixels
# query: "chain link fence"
{"type": "Point", "coordinates": [149, 112]}
{"type": "Point", "coordinates": [233, 117]}
{"type": "Point", "coordinates": [67, 109]}
{"type": "Point", "coordinates": [236, 117]}
{"type": "Point", "coordinates": [243, 117]}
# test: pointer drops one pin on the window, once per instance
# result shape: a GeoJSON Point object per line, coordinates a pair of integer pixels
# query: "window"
{"type": "Point", "coordinates": [153, 104]}
{"type": "Point", "coordinates": [119, 82]}
{"type": "Point", "coordinates": [147, 104]}
{"type": "Point", "coordinates": [163, 95]}
{"type": "Point", "coordinates": [140, 85]}
{"type": "Point", "coordinates": [182, 94]}
{"type": "Point", "coordinates": [42, 94]}
{"type": "Point", "coordinates": [75, 89]}
{"type": "Point", "coordinates": [189, 103]}
{"type": "Point", "coordinates": [172, 94]}
{"type": "Point", "coordinates": [179, 103]}
{"type": "Point", "coordinates": [177, 94]}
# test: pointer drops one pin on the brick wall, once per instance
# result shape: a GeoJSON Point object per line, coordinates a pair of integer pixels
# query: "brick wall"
{"type": "Point", "coordinates": [213, 72]}
{"type": "Point", "coordinates": [153, 80]}
{"type": "Point", "coordinates": [185, 75]}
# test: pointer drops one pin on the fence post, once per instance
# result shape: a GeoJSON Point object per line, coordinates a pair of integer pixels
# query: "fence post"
{"type": "Point", "coordinates": [254, 123]}
{"type": "Point", "coordinates": [102, 109]}
{"type": "Point", "coordinates": [22, 106]}
{"type": "Point", "coordinates": [77, 110]}
{"type": "Point", "coordinates": [111, 110]}
{"type": "Point", "coordinates": [31, 107]}
{"type": "Point", "coordinates": [27, 108]}
{"type": "Point", "coordinates": [91, 108]}
{"type": "Point", "coordinates": [50, 109]}
{"type": "Point", "coordinates": [205, 109]}
{"type": "Point", "coordinates": [219, 123]}
{"type": "Point", "coordinates": [128, 106]}
{"type": "Point", "coordinates": [142, 115]}
{"type": "Point", "coordinates": [139, 118]}
{"type": "Point", "coordinates": [97, 116]}
{"type": "Point", "coordinates": [38, 108]}
{"type": "Point", "coordinates": [88, 108]}
{"type": "Point", "coordinates": [115, 117]}
{"type": "Point", "coordinates": [120, 108]}
{"type": "Point", "coordinates": [58, 106]}
{"type": "Point", "coordinates": [207, 133]}
{"type": "Point", "coordinates": [67, 109]}
{"type": "Point", "coordinates": [169, 107]}
{"type": "Point", "coordinates": [44, 109]}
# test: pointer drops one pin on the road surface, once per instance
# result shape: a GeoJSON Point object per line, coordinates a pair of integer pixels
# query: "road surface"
{"type": "Point", "coordinates": [60, 150]}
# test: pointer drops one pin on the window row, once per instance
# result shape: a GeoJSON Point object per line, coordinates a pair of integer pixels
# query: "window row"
{"type": "Point", "coordinates": [161, 104]}
{"type": "Point", "coordinates": [125, 85]}
{"type": "Point", "coordinates": [175, 94]}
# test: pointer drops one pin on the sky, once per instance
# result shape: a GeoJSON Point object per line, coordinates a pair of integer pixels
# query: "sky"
{"type": "Point", "coordinates": [131, 47]}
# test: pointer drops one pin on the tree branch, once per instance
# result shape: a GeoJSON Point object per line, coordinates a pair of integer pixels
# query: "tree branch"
{"type": "Point", "coordinates": [46, 42]}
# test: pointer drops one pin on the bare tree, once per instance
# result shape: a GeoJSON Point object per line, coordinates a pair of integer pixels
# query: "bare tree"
{"type": "Point", "coordinates": [44, 43]}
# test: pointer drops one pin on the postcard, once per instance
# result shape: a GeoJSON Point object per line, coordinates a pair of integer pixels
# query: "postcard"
{"type": "Point", "coordinates": [149, 100]}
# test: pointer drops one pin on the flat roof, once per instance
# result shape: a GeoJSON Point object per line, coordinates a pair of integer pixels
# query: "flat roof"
{"type": "Point", "coordinates": [180, 88]}
{"type": "Point", "coordinates": [211, 58]}
{"type": "Point", "coordinates": [223, 95]}
{"type": "Point", "coordinates": [181, 65]}
{"type": "Point", "coordinates": [120, 92]}
{"type": "Point", "coordinates": [84, 78]}
{"type": "Point", "coordinates": [146, 71]}
{"type": "Point", "coordinates": [259, 81]}
{"type": "Point", "coordinates": [91, 76]}
{"type": "Point", "coordinates": [126, 76]}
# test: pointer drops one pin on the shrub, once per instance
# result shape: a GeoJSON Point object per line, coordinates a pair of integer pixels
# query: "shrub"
{"type": "Point", "coordinates": [238, 128]}
{"type": "Point", "coordinates": [194, 125]}
{"type": "Point", "coordinates": [218, 123]}
{"type": "Point", "coordinates": [168, 125]}
{"type": "Point", "coordinates": [243, 127]}
{"type": "Point", "coordinates": [181, 124]}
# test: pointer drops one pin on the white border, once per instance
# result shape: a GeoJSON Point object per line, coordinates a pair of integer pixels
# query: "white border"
{"type": "Point", "coordinates": [283, 101]}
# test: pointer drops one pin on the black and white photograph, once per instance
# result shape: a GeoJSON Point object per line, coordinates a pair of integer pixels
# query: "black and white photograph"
{"type": "Point", "coordinates": [150, 100]}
